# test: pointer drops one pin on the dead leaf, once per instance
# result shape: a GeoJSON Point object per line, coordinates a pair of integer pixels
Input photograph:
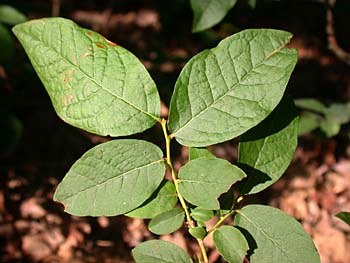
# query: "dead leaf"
{"type": "Point", "coordinates": [31, 208]}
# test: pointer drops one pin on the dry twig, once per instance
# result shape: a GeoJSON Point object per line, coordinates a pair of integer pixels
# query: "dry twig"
{"type": "Point", "coordinates": [332, 41]}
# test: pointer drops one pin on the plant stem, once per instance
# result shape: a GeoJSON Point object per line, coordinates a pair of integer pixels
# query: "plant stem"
{"type": "Point", "coordinates": [221, 220]}
{"type": "Point", "coordinates": [204, 252]}
{"type": "Point", "coordinates": [190, 223]}
{"type": "Point", "coordinates": [173, 174]}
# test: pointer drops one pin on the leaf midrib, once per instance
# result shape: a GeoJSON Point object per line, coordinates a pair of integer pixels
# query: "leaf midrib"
{"type": "Point", "coordinates": [231, 88]}
{"type": "Point", "coordinates": [232, 248]}
{"type": "Point", "coordinates": [204, 182]}
{"type": "Point", "coordinates": [91, 79]}
{"type": "Point", "coordinates": [267, 236]}
{"type": "Point", "coordinates": [111, 178]}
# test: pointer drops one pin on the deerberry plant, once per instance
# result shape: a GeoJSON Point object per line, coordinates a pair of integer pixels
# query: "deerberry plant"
{"type": "Point", "coordinates": [234, 89]}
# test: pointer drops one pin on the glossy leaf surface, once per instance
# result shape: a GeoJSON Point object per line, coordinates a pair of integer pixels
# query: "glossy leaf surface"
{"type": "Point", "coordinates": [208, 13]}
{"type": "Point", "coordinates": [225, 91]}
{"type": "Point", "coordinates": [93, 83]}
{"type": "Point", "coordinates": [112, 178]}
{"type": "Point", "coordinates": [231, 244]}
{"type": "Point", "coordinates": [203, 180]}
{"type": "Point", "coordinates": [266, 150]}
{"type": "Point", "coordinates": [158, 251]}
{"type": "Point", "coordinates": [274, 236]}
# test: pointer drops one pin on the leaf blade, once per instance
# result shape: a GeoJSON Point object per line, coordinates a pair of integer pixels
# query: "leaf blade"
{"type": "Point", "coordinates": [158, 251]}
{"type": "Point", "coordinates": [112, 178]}
{"type": "Point", "coordinates": [200, 184]}
{"type": "Point", "coordinates": [198, 232]}
{"type": "Point", "coordinates": [310, 104]}
{"type": "Point", "coordinates": [208, 13]}
{"type": "Point", "coordinates": [195, 153]}
{"type": "Point", "coordinates": [224, 91]}
{"type": "Point", "coordinates": [230, 243]}
{"type": "Point", "coordinates": [266, 150]}
{"type": "Point", "coordinates": [164, 200]}
{"type": "Point", "coordinates": [269, 228]}
{"type": "Point", "coordinates": [11, 16]}
{"type": "Point", "coordinates": [201, 215]}
{"type": "Point", "coordinates": [308, 122]}
{"type": "Point", "coordinates": [167, 222]}
{"type": "Point", "coordinates": [344, 216]}
{"type": "Point", "coordinates": [78, 69]}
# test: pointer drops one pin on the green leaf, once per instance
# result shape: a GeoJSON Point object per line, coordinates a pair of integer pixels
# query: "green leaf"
{"type": "Point", "coordinates": [251, 3]}
{"type": "Point", "coordinates": [310, 104]}
{"type": "Point", "coordinates": [274, 236]}
{"type": "Point", "coordinates": [338, 113]}
{"type": "Point", "coordinates": [195, 153]}
{"type": "Point", "coordinates": [203, 180]}
{"type": "Point", "coordinates": [308, 122]}
{"type": "Point", "coordinates": [330, 127]}
{"type": "Point", "coordinates": [266, 150]}
{"type": "Point", "coordinates": [225, 91]}
{"type": "Point", "coordinates": [167, 222]}
{"type": "Point", "coordinates": [202, 215]}
{"type": "Point", "coordinates": [208, 13]}
{"type": "Point", "coordinates": [159, 251]}
{"type": "Point", "coordinates": [93, 83]}
{"type": "Point", "coordinates": [112, 178]}
{"type": "Point", "coordinates": [231, 244]}
{"type": "Point", "coordinates": [10, 15]}
{"type": "Point", "coordinates": [162, 200]}
{"type": "Point", "coordinates": [344, 216]}
{"type": "Point", "coordinates": [7, 46]}
{"type": "Point", "coordinates": [198, 232]}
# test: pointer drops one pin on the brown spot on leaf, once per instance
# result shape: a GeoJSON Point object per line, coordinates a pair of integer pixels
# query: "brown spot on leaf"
{"type": "Point", "coordinates": [110, 42]}
{"type": "Point", "coordinates": [89, 33]}
{"type": "Point", "coordinates": [67, 99]}
{"type": "Point", "coordinates": [36, 21]}
{"type": "Point", "coordinates": [86, 54]}
{"type": "Point", "coordinates": [100, 45]}
{"type": "Point", "coordinates": [68, 75]}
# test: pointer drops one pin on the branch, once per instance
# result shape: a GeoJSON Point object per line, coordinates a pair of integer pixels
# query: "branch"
{"type": "Point", "coordinates": [332, 41]}
{"type": "Point", "coordinates": [55, 8]}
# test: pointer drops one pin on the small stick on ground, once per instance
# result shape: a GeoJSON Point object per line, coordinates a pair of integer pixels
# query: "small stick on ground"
{"type": "Point", "coordinates": [332, 41]}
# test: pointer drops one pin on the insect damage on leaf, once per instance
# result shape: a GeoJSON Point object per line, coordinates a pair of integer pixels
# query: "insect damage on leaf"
{"type": "Point", "coordinates": [109, 42]}
{"type": "Point", "coordinates": [67, 99]}
{"type": "Point", "coordinates": [100, 45]}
